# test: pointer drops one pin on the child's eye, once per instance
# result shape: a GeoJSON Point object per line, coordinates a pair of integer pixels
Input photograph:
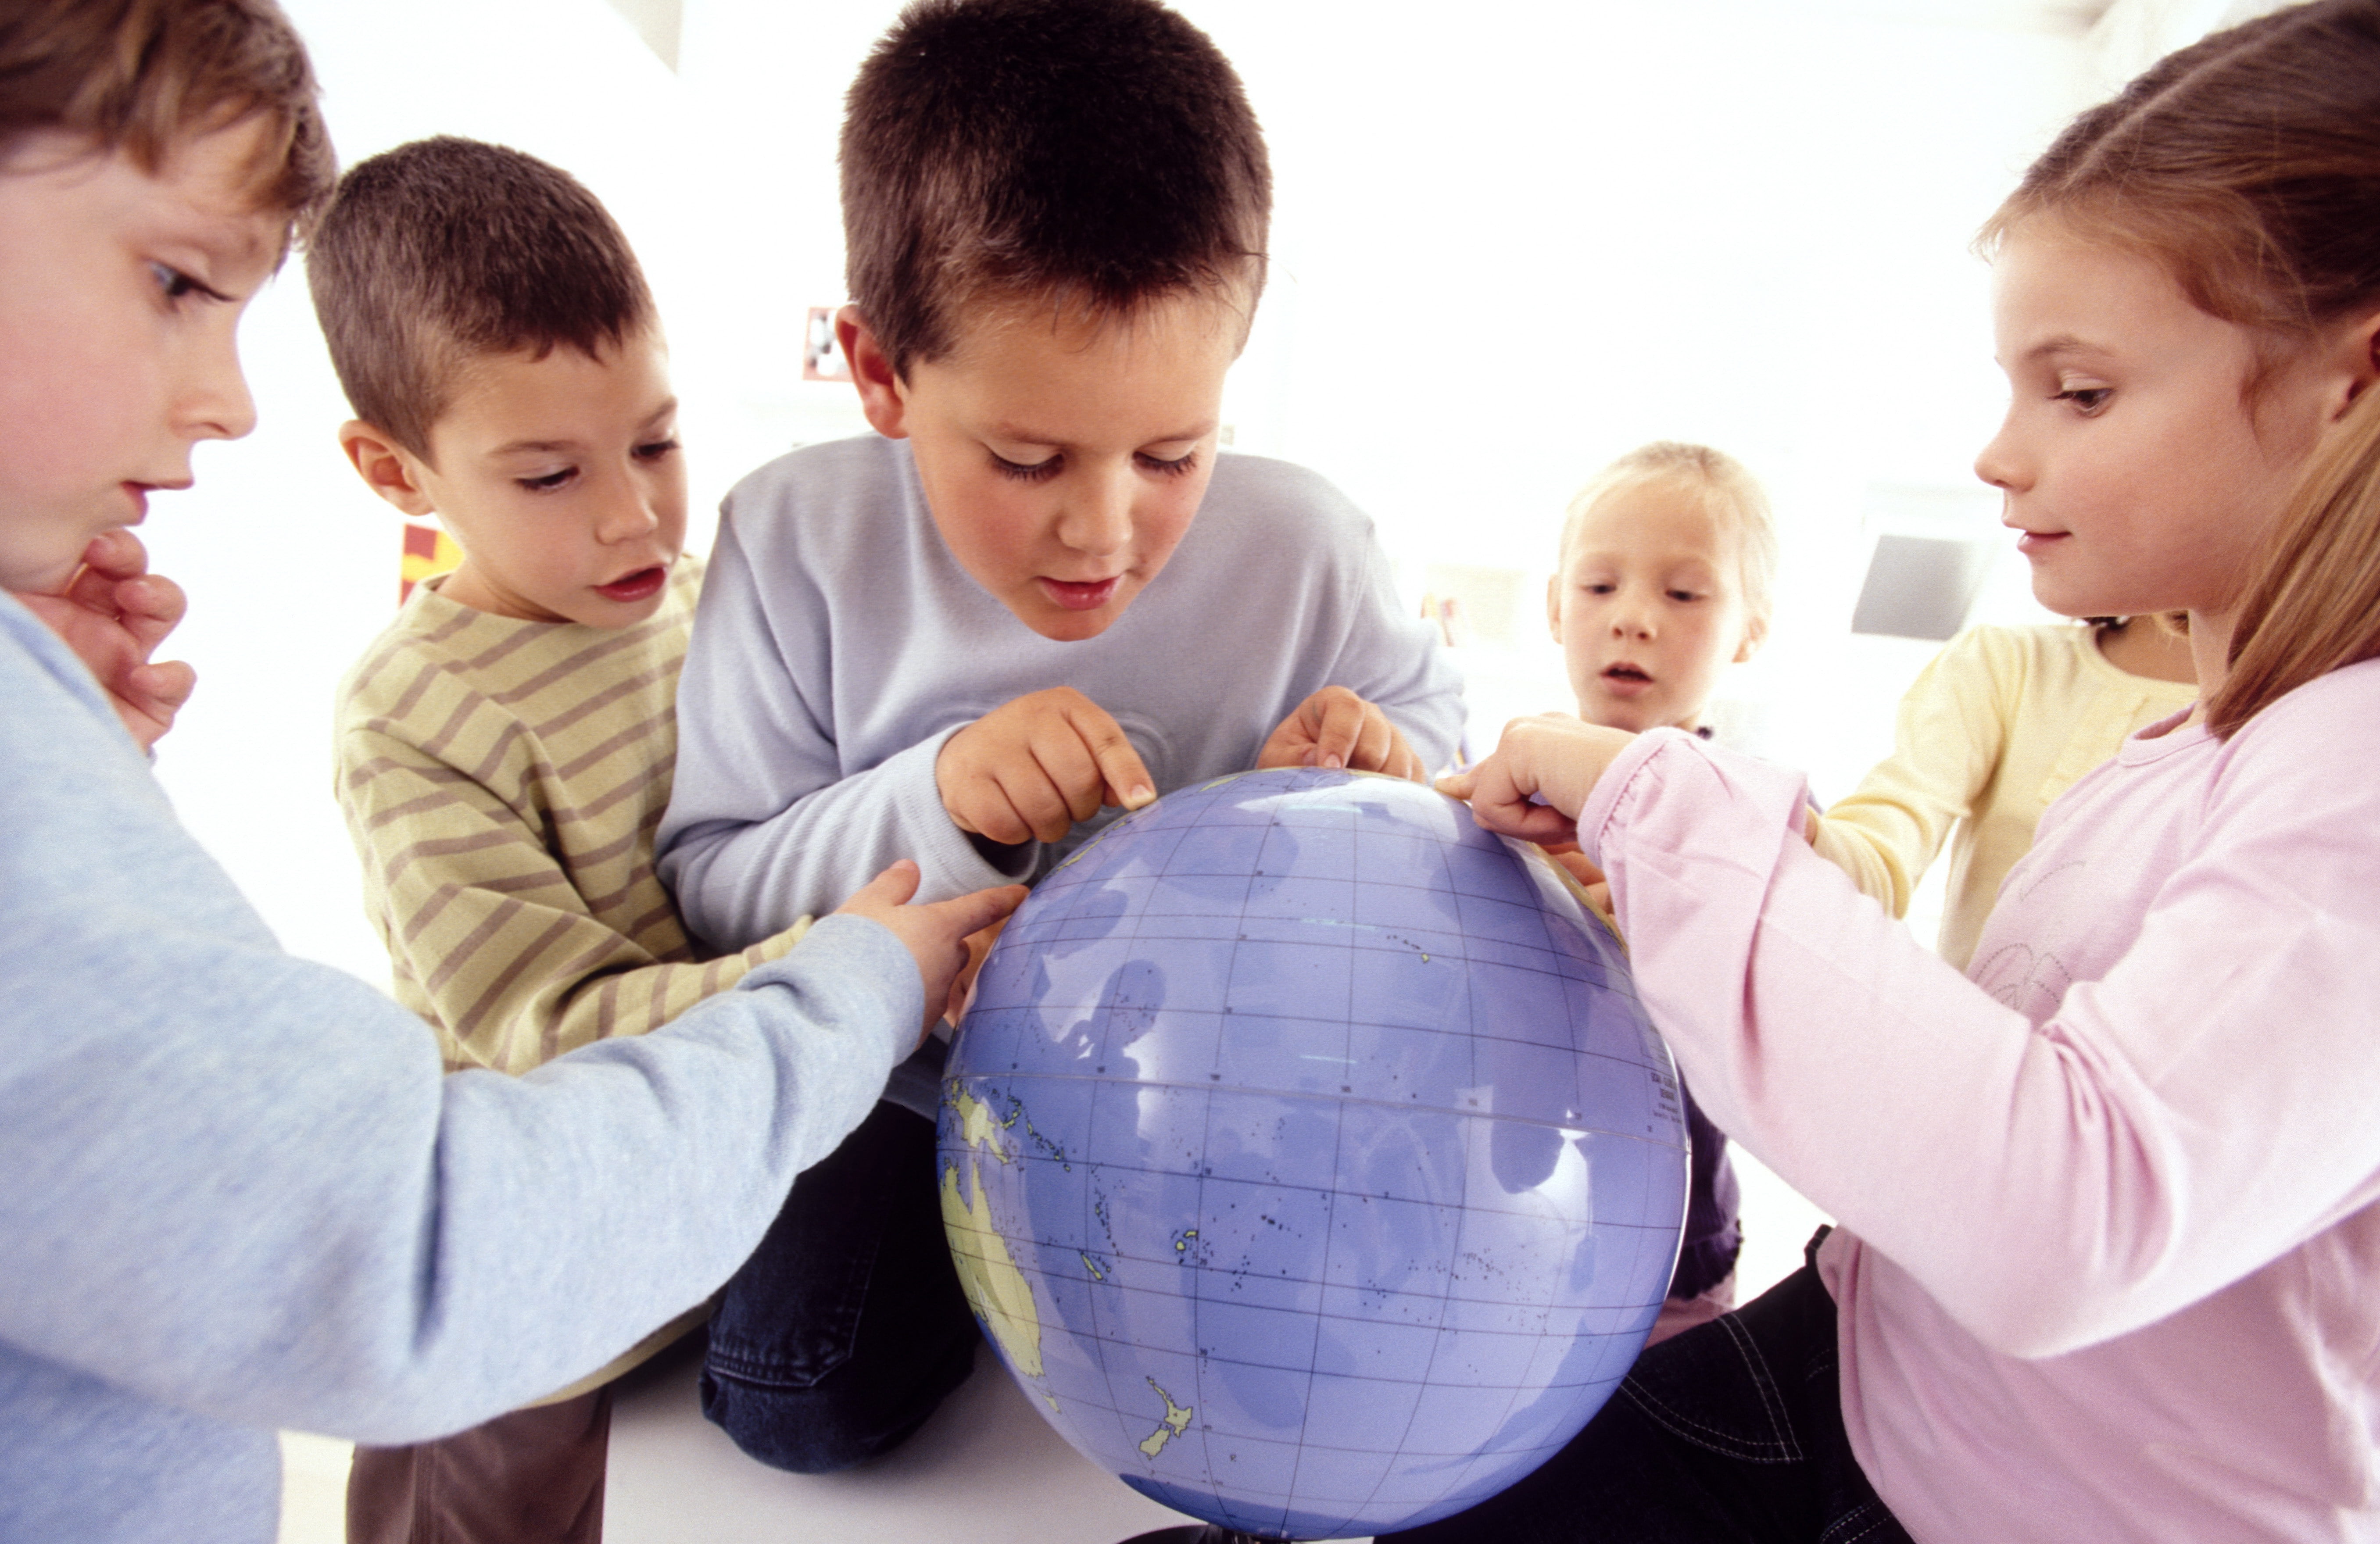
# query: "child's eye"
{"type": "Point", "coordinates": [1683, 595]}
{"type": "Point", "coordinates": [655, 450]}
{"type": "Point", "coordinates": [1181, 466]}
{"type": "Point", "coordinates": [1599, 587]}
{"type": "Point", "coordinates": [2087, 399]}
{"type": "Point", "coordinates": [549, 483]}
{"type": "Point", "coordinates": [1038, 471]}
{"type": "Point", "coordinates": [177, 286]}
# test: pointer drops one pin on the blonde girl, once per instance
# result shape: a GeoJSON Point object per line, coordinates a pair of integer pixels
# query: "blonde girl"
{"type": "Point", "coordinates": [2108, 1229]}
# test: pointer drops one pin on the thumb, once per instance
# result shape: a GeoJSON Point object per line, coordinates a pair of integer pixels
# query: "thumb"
{"type": "Point", "coordinates": [973, 913]}
{"type": "Point", "coordinates": [1458, 785]}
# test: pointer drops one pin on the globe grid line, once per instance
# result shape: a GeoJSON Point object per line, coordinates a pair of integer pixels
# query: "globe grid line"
{"type": "Point", "coordinates": [1505, 1356]}
{"type": "Point", "coordinates": [1123, 1254]}
{"type": "Point", "coordinates": [1463, 1217]}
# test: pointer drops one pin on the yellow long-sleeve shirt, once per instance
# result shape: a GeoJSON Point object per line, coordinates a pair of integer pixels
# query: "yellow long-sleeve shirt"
{"type": "Point", "coordinates": [2002, 722]}
{"type": "Point", "coordinates": [502, 781]}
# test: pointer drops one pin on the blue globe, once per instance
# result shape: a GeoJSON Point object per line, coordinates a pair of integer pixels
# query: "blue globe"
{"type": "Point", "coordinates": [1307, 1157]}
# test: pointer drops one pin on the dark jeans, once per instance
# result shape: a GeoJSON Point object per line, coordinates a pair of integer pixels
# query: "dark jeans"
{"type": "Point", "coordinates": [846, 1327]}
{"type": "Point", "coordinates": [1731, 1432]}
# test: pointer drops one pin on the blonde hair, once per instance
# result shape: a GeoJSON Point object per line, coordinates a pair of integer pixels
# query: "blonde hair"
{"type": "Point", "coordinates": [2313, 601]}
{"type": "Point", "coordinates": [1728, 492]}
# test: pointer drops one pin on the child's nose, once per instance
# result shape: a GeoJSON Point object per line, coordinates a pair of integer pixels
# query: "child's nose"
{"type": "Point", "coordinates": [1098, 516]}
{"type": "Point", "coordinates": [215, 403]}
{"type": "Point", "coordinates": [627, 515]}
{"type": "Point", "coordinates": [1998, 462]}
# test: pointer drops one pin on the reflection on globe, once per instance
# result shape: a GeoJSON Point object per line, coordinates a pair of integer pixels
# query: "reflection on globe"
{"type": "Point", "coordinates": [1307, 1157]}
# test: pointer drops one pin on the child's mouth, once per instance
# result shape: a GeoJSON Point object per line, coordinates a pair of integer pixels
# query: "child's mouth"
{"type": "Point", "coordinates": [1626, 679]}
{"type": "Point", "coordinates": [642, 585]}
{"type": "Point", "coordinates": [1078, 595]}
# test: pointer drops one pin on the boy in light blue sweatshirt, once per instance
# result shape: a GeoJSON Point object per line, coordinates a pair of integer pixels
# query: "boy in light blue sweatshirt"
{"type": "Point", "coordinates": [241, 1194]}
{"type": "Point", "coordinates": [1040, 592]}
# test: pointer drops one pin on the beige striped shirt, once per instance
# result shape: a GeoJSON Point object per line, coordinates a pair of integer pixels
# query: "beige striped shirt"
{"type": "Point", "coordinates": [502, 781]}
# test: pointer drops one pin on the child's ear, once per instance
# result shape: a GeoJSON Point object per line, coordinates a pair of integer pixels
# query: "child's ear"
{"type": "Point", "coordinates": [1553, 606]}
{"type": "Point", "coordinates": [387, 468]}
{"type": "Point", "coordinates": [882, 396]}
{"type": "Point", "coordinates": [1755, 633]}
{"type": "Point", "coordinates": [2367, 336]}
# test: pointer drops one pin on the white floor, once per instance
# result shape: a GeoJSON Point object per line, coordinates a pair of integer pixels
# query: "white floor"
{"type": "Point", "coordinates": [987, 1469]}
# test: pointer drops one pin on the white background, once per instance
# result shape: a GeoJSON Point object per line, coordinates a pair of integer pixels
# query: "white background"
{"type": "Point", "coordinates": [1512, 242]}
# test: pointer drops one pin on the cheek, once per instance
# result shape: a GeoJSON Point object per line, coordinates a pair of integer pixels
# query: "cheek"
{"type": "Point", "coordinates": [1163, 517]}
{"type": "Point", "coordinates": [990, 522]}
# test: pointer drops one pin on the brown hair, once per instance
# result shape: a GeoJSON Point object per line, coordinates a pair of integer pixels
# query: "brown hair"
{"type": "Point", "coordinates": [2248, 164]}
{"type": "Point", "coordinates": [139, 75]}
{"type": "Point", "coordinates": [1726, 489]}
{"type": "Point", "coordinates": [1100, 153]}
{"type": "Point", "coordinates": [444, 249]}
{"type": "Point", "coordinates": [2314, 603]}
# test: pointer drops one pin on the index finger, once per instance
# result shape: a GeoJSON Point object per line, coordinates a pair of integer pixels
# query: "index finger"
{"type": "Point", "coordinates": [1499, 802]}
{"type": "Point", "coordinates": [1341, 726]}
{"type": "Point", "coordinates": [1119, 763]}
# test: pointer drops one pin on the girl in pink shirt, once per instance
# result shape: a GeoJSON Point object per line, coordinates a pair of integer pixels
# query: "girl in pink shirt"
{"type": "Point", "coordinates": [2109, 1266]}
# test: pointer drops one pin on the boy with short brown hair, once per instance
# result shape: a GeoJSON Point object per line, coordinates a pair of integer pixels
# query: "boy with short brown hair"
{"type": "Point", "coordinates": [504, 748]}
{"type": "Point", "coordinates": [1039, 591]}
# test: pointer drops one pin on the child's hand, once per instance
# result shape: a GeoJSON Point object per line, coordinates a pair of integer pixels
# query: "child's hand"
{"type": "Point", "coordinates": [979, 948]}
{"type": "Point", "coordinates": [1031, 768]}
{"type": "Point", "coordinates": [113, 614]}
{"type": "Point", "coordinates": [938, 934]}
{"type": "Point", "coordinates": [1336, 728]}
{"type": "Point", "coordinates": [1539, 777]}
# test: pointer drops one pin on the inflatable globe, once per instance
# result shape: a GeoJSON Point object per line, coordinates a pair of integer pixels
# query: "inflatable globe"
{"type": "Point", "coordinates": [1307, 1157]}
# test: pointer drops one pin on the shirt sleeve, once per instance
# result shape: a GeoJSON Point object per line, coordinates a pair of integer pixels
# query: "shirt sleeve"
{"type": "Point", "coordinates": [481, 916]}
{"type": "Point", "coordinates": [1946, 741]}
{"type": "Point", "coordinates": [764, 826]}
{"type": "Point", "coordinates": [241, 1187]}
{"type": "Point", "coordinates": [2208, 1103]}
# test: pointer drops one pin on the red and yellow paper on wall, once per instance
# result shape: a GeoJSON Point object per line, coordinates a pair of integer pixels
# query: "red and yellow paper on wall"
{"type": "Point", "coordinates": [429, 553]}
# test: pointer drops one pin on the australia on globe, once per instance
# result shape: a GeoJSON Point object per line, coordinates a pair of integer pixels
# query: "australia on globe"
{"type": "Point", "coordinates": [1307, 1156]}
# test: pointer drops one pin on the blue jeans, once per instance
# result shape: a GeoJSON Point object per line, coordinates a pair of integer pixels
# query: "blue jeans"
{"type": "Point", "coordinates": [1733, 1431]}
{"type": "Point", "coordinates": [847, 1328]}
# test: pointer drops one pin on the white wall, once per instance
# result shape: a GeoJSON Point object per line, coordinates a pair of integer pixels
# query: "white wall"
{"type": "Point", "coordinates": [1512, 240]}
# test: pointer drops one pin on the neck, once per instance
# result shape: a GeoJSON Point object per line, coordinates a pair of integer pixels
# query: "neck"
{"type": "Point", "coordinates": [2210, 650]}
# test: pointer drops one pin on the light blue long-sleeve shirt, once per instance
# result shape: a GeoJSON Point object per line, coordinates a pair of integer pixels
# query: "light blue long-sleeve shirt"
{"type": "Point", "coordinates": [239, 1195]}
{"type": "Point", "coordinates": [838, 645]}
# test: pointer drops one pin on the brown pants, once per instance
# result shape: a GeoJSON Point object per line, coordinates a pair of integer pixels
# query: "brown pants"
{"type": "Point", "coordinates": [533, 1476]}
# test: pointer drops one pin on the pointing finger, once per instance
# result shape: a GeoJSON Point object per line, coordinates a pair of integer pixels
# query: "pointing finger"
{"type": "Point", "coordinates": [1119, 764]}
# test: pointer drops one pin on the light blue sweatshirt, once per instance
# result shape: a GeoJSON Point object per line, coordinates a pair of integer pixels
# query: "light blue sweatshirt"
{"type": "Point", "coordinates": [240, 1196]}
{"type": "Point", "coordinates": [840, 645]}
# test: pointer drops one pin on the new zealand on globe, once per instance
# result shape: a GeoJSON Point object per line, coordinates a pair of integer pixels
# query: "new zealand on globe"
{"type": "Point", "coordinates": [1307, 1156]}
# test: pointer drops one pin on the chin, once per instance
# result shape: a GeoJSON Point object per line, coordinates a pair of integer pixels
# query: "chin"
{"type": "Point", "coordinates": [1071, 627]}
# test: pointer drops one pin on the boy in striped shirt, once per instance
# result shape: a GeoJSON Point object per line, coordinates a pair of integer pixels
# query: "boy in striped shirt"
{"type": "Point", "coordinates": [504, 748]}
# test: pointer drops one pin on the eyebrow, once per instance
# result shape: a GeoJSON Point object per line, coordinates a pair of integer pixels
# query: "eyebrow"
{"type": "Point", "coordinates": [1019, 435]}
{"type": "Point", "coordinates": [2064, 342]}
{"type": "Point", "coordinates": [522, 447]}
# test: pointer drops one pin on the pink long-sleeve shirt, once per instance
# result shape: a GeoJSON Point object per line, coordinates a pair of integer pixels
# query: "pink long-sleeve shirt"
{"type": "Point", "coordinates": [2109, 1267]}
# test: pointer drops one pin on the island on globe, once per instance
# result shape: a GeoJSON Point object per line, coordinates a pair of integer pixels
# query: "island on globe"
{"type": "Point", "coordinates": [1307, 1157]}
